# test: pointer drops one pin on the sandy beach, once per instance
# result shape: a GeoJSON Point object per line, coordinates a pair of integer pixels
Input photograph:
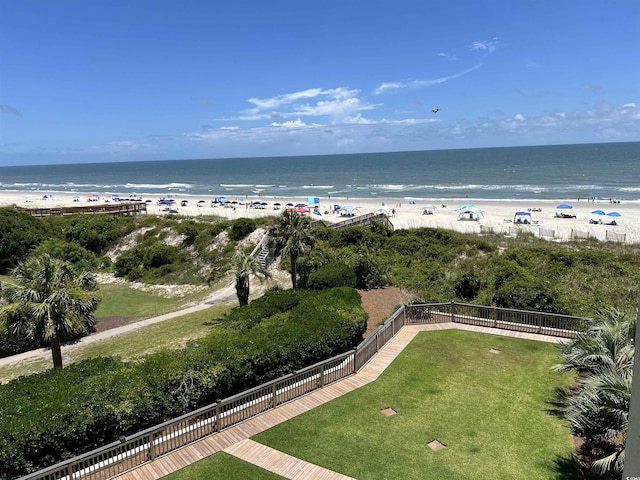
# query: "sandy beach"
{"type": "Point", "coordinates": [497, 216]}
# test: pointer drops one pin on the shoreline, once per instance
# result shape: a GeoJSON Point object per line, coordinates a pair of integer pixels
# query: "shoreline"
{"type": "Point", "coordinates": [496, 215]}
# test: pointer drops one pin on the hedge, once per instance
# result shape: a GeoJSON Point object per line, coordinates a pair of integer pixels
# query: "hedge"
{"type": "Point", "coordinates": [58, 414]}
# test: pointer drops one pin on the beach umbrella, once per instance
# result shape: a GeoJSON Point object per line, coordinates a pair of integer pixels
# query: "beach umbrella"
{"type": "Point", "coordinates": [614, 214]}
{"type": "Point", "coordinates": [289, 205]}
{"type": "Point", "coordinates": [564, 206]}
{"type": "Point", "coordinates": [598, 212]}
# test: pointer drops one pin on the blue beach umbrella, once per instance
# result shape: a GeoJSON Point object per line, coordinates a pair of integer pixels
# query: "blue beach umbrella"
{"type": "Point", "coordinates": [598, 212]}
{"type": "Point", "coordinates": [564, 206]}
{"type": "Point", "coordinates": [614, 214]}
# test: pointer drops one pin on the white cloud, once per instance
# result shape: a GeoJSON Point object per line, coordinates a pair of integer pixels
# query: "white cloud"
{"type": "Point", "coordinates": [360, 120]}
{"type": "Point", "coordinates": [629, 105]}
{"type": "Point", "coordinates": [487, 46]}
{"type": "Point", "coordinates": [278, 101]}
{"type": "Point", "coordinates": [334, 102]}
{"type": "Point", "coordinates": [290, 124]}
{"type": "Point", "coordinates": [448, 56]}
{"type": "Point", "coordinates": [388, 86]}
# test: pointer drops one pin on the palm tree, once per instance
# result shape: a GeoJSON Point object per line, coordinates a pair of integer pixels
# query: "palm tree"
{"type": "Point", "coordinates": [598, 409]}
{"type": "Point", "coordinates": [606, 344]}
{"type": "Point", "coordinates": [291, 237]}
{"type": "Point", "coordinates": [49, 302]}
{"type": "Point", "coordinates": [244, 266]}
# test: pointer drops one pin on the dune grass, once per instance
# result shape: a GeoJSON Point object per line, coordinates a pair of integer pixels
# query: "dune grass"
{"type": "Point", "coordinates": [492, 411]}
{"type": "Point", "coordinates": [222, 466]}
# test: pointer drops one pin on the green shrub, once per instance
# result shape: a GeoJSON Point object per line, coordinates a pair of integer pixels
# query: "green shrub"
{"type": "Point", "coordinates": [19, 234]}
{"type": "Point", "coordinates": [241, 227]}
{"type": "Point", "coordinates": [73, 253]}
{"type": "Point", "coordinates": [467, 286]}
{"type": "Point", "coordinates": [332, 275]}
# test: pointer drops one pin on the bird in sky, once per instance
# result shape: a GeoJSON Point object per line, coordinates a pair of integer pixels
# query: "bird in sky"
{"type": "Point", "coordinates": [435, 110]}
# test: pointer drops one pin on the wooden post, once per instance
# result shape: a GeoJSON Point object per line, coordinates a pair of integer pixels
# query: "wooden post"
{"type": "Point", "coordinates": [218, 418]}
{"type": "Point", "coordinates": [152, 447]}
{"type": "Point", "coordinates": [539, 317]}
{"type": "Point", "coordinates": [274, 395]}
{"type": "Point", "coordinates": [321, 383]}
{"type": "Point", "coordinates": [453, 312]}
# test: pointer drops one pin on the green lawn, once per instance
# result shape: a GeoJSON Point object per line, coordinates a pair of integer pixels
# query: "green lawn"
{"type": "Point", "coordinates": [124, 301]}
{"type": "Point", "coordinates": [222, 466]}
{"type": "Point", "coordinates": [490, 410]}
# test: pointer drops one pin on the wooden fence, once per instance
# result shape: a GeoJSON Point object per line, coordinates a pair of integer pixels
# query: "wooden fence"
{"type": "Point", "coordinates": [132, 451]}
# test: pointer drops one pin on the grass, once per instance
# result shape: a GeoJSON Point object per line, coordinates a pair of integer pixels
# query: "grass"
{"type": "Point", "coordinates": [492, 411]}
{"type": "Point", "coordinates": [222, 466]}
{"type": "Point", "coordinates": [124, 301]}
{"type": "Point", "coordinates": [171, 333]}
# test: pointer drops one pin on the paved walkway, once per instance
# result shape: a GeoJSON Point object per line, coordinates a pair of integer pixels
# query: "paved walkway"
{"type": "Point", "coordinates": [235, 440]}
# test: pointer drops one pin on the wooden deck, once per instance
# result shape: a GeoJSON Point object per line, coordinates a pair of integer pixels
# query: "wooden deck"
{"type": "Point", "coordinates": [116, 209]}
{"type": "Point", "coordinates": [235, 440]}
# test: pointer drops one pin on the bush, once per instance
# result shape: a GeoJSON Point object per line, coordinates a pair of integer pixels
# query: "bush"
{"type": "Point", "coordinates": [467, 286]}
{"type": "Point", "coordinates": [240, 228]}
{"type": "Point", "coordinates": [19, 234]}
{"type": "Point", "coordinates": [332, 275]}
{"type": "Point", "coordinates": [525, 294]}
{"type": "Point", "coordinates": [73, 253]}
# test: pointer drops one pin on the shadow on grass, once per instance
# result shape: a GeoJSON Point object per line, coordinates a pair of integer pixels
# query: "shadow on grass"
{"type": "Point", "coordinates": [568, 468]}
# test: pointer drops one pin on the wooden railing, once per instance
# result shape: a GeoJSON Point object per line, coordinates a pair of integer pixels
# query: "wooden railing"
{"type": "Point", "coordinates": [363, 220]}
{"type": "Point", "coordinates": [118, 209]}
{"type": "Point", "coordinates": [137, 449]}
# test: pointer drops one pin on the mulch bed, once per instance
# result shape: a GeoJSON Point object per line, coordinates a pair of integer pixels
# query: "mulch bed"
{"type": "Point", "coordinates": [380, 303]}
{"type": "Point", "coordinates": [107, 323]}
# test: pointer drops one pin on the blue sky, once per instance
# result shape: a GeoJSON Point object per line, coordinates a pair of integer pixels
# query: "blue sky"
{"type": "Point", "coordinates": [89, 81]}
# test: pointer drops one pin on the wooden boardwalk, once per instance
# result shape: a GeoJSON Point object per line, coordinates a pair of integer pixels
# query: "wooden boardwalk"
{"type": "Point", "coordinates": [235, 439]}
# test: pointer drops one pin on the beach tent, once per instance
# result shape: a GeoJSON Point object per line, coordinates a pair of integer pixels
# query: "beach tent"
{"type": "Point", "coordinates": [220, 199]}
{"type": "Point", "coordinates": [469, 213]}
{"type": "Point", "coordinates": [466, 206]}
{"type": "Point", "coordinates": [348, 211]}
{"type": "Point", "coordinates": [428, 209]}
{"type": "Point", "coordinates": [313, 200]}
{"type": "Point", "coordinates": [385, 210]}
{"type": "Point", "coordinates": [522, 217]}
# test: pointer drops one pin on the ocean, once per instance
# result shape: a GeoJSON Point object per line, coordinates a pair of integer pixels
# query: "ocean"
{"type": "Point", "coordinates": [560, 172]}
